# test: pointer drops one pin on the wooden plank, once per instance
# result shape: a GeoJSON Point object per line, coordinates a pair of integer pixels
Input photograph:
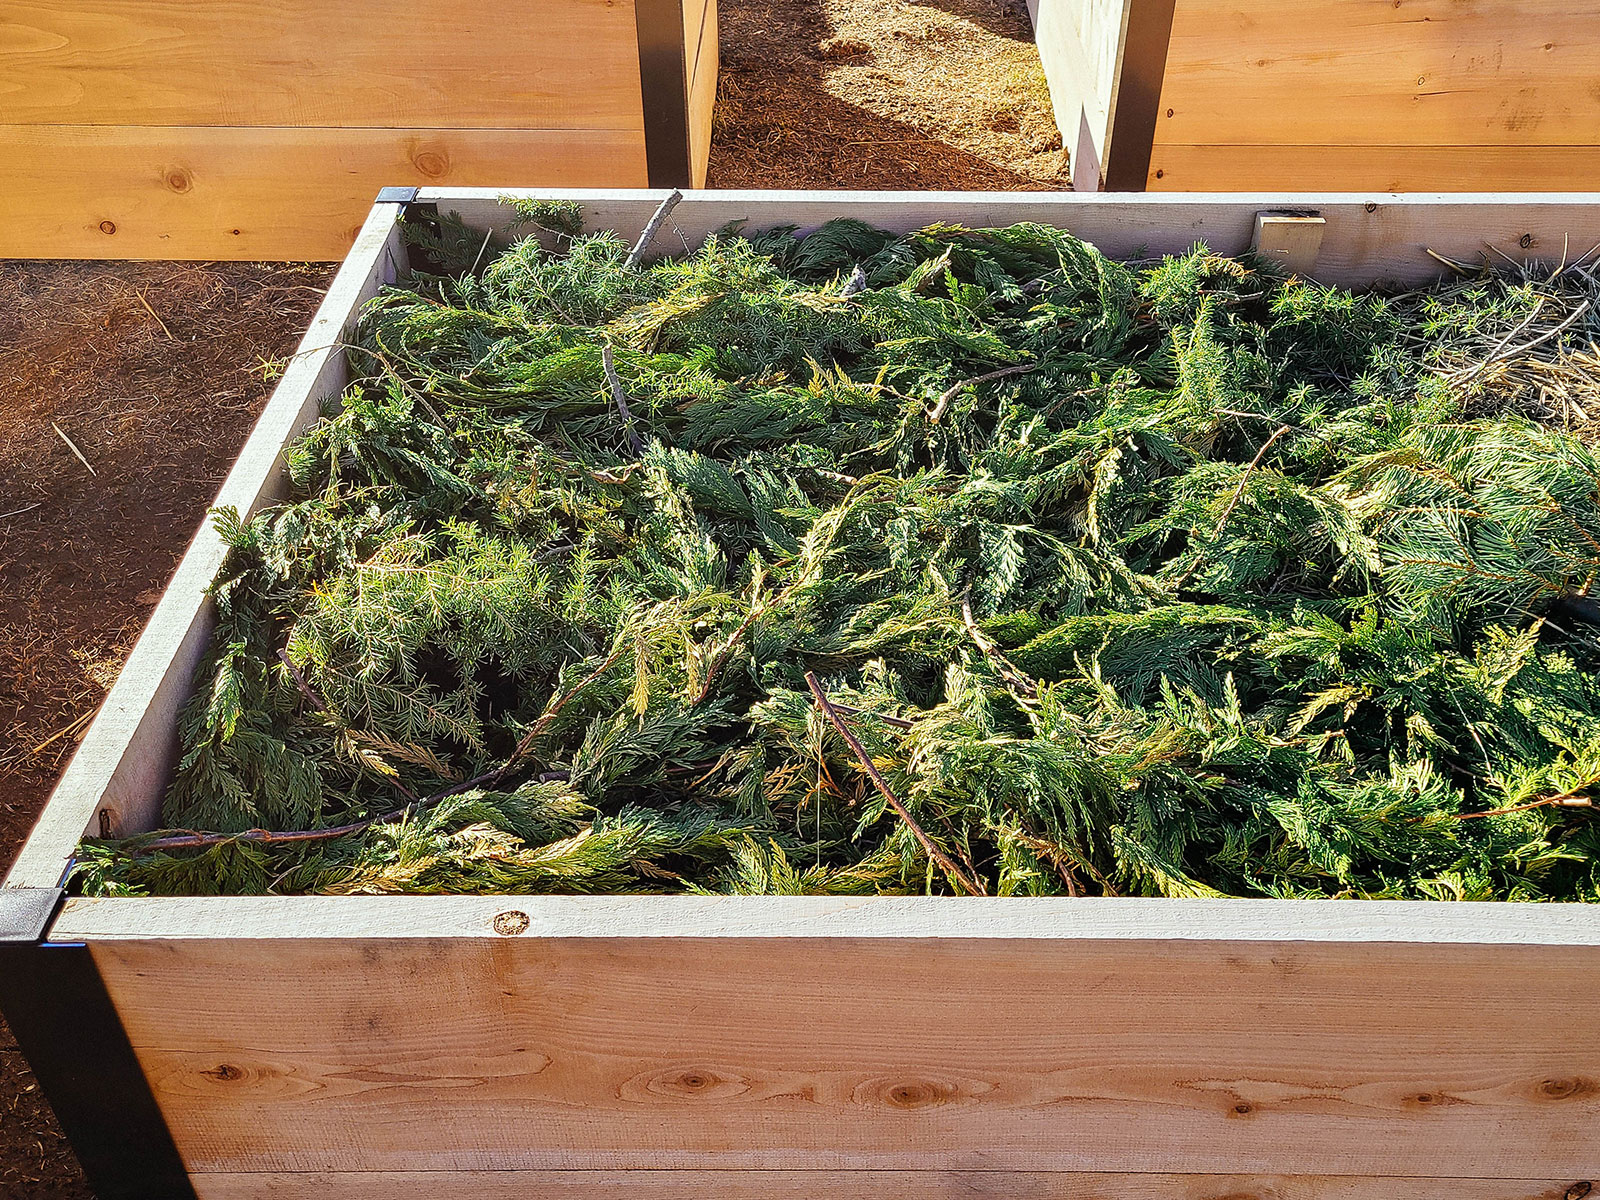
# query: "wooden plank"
{"type": "Point", "coordinates": [122, 766]}
{"type": "Point", "coordinates": [855, 1185]}
{"type": "Point", "coordinates": [946, 1053]}
{"type": "Point", "coordinates": [1370, 238]}
{"type": "Point", "coordinates": [512, 64]}
{"type": "Point", "coordinates": [1126, 918]}
{"type": "Point", "coordinates": [1080, 46]}
{"type": "Point", "coordinates": [136, 192]}
{"type": "Point", "coordinates": [1299, 167]}
{"type": "Point", "coordinates": [1383, 72]}
{"type": "Point", "coordinates": [1291, 240]}
{"type": "Point", "coordinates": [701, 47]}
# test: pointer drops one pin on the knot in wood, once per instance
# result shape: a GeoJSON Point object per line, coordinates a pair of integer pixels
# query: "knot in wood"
{"type": "Point", "coordinates": [1578, 1190]}
{"type": "Point", "coordinates": [108, 227]}
{"type": "Point", "coordinates": [511, 922]}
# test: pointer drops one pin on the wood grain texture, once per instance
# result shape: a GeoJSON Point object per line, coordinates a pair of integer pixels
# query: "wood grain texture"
{"type": "Point", "coordinates": [1046, 919]}
{"type": "Point", "coordinates": [701, 61]}
{"type": "Point", "coordinates": [1080, 47]}
{"type": "Point", "coordinates": [200, 192]}
{"type": "Point", "coordinates": [1289, 168]}
{"type": "Point", "coordinates": [1370, 238]}
{"type": "Point", "coordinates": [944, 1054]}
{"type": "Point", "coordinates": [513, 64]}
{"type": "Point", "coordinates": [124, 761]}
{"type": "Point", "coordinates": [1462, 73]}
{"type": "Point", "coordinates": [854, 1185]}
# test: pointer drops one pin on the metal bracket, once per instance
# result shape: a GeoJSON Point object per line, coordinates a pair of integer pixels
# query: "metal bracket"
{"type": "Point", "coordinates": [53, 998]}
{"type": "Point", "coordinates": [397, 195]}
{"type": "Point", "coordinates": [25, 913]}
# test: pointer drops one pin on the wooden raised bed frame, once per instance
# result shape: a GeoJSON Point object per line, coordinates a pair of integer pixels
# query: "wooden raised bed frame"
{"type": "Point", "coordinates": [1317, 95]}
{"type": "Point", "coordinates": [238, 129]}
{"type": "Point", "coordinates": [383, 1048]}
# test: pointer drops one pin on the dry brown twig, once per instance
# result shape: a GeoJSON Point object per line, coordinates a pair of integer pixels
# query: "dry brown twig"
{"type": "Point", "coordinates": [947, 864]}
{"type": "Point", "coordinates": [942, 405]}
{"type": "Point", "coordinates": [621, 398]}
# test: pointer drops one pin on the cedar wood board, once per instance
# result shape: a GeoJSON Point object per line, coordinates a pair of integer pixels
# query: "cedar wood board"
{"type": "Point", "coordinates": [234, 129]}
{"type": "Point", "coordinates": [1307, 1050]}
{"type": "Point", "coordinates": [1401, 95]}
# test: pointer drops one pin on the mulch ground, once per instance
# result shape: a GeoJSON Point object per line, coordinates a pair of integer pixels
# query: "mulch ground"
{"type": "Point", "coordinates": [127, 389]}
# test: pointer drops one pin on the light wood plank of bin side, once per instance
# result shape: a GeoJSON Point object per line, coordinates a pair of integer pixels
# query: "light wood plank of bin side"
{"type": "Point", "coordinates": [1382, 72]}
{"type": "Point", "coordinates": [856, 1185]}
{"type": "Point", "coordinates": [507, 65]}
{"type": "Point", "coordinates": [124, 761]}
{"type": "Point", "coordinates": [1080, 47]}
{"type": "Point", "coordinates": [940, 1052]}
{"type": "Point", "coordinates": [196, 192]}
{"type": "Point", "coordinates": [1299, 167]}
{"type": "Point", "coordinates": [700, 69]}
{"type": "Point", "coordinates": [1370, 238]}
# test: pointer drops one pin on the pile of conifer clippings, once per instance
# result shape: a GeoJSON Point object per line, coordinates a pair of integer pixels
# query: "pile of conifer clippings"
{"type": "Point", "coordinates": [967, 561]}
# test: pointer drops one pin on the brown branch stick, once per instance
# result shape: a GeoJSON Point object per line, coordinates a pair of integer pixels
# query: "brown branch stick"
{"type": "Point", "coordinates": [650, 228]}
{"type": "Point", "coordinates": [621, 397]}
{"type": "Point", "coordinates": [947, 864]}
{"type": "Point", "coordinates": [936, 413]}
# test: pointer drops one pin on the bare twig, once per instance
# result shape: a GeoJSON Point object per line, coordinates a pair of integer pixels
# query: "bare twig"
{"type": "Point", "coordinates": [17, 512]}
{"type": "Point", "coordinates": [620, 397]}
{"type": "Point", "coordinates": [1566, 800]}
{"type": "Point", "coordinates": [156, 315]}
{"type": "Point", "coordinates": [316, 701]}
{"type": "Point", "coordinates": [73, 448]}
{"type": "Point", "coordinates": [897, 722]}
{"type": "Point", "coordinates": [645, 238]}
{"type": "Point", "coordinates": [1238, 493]}
{"type": "Point", "coordinates": [942, 404]}
{"type": "Point", "coordinates": [1018, 681]}
{"type": "Point", "coordinates": [968, 884]}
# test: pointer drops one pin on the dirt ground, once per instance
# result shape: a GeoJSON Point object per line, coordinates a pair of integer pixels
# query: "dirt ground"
{"type": "Point", "coordinates": [883, 94]}
{"type": "Point", "coordinates": [127, 389]}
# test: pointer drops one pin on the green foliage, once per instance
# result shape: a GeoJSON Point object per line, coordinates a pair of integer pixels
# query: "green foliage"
{"type": "Point", "coordinates": [1223, 589]}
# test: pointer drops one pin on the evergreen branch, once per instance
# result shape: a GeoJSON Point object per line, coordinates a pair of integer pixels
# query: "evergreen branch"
{"type": "Point", "coordinates": [1233, 502]}
{"type": "Point", "coordinates": [969, 885]}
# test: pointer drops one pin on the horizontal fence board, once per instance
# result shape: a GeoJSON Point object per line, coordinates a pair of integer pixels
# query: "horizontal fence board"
{"type": "Point", "coordinates": [1382, 72]}
{"type": "Point", "coordinates": [1300, 167]}
{"type": "Point", "coordinates": [852, 1185]}
{"type": "Point", "coordinates": [1370, 238]}
{"type": "Point", "coordinates": [510, 64]}
{"type": "Point", "coordinates": [201, 192]}
{"type": "Point", "coordinates": [949, 1054]}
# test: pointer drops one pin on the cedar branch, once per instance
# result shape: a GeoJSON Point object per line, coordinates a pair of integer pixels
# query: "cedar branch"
{"type": "Point", "coordinates": [969, 885]}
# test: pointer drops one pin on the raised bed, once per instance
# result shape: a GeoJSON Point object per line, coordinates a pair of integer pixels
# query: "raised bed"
{"type": "Point", "coordinates": [1388, 95]}
{"type": "Point", "coordinates": [1035, 1049]}
{"type": "Point", "coordinates": [145, 129]}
